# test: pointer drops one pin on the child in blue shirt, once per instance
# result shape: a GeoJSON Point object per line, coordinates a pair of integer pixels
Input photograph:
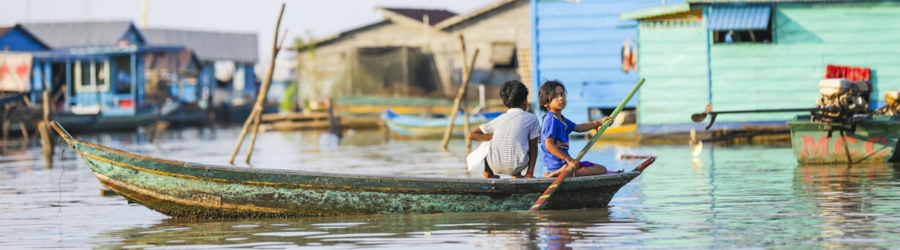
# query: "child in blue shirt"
{"type": "Point", "coordinates": [555, 133]}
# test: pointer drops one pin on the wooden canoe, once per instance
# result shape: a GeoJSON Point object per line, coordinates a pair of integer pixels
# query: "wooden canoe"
{"type": "Point", "coordinates": [192, 190]}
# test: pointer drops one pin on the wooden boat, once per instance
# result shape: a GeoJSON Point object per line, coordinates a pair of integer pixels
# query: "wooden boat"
{"type": "Point", "coordinates": [868, 141]}
{"type": "Point", "coordinates": [194, 190]}
{"type": "Point", "coordinates": [425, 127]}
{"type": "Point", "coordinates": [99, 122]}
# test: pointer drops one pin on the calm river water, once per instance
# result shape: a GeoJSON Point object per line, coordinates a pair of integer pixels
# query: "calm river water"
{"type": "Point", "coordinates": [729, 197]}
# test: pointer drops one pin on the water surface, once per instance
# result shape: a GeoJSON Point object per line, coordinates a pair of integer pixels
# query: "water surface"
{"type": "Point", "coordinates": [729, 197]}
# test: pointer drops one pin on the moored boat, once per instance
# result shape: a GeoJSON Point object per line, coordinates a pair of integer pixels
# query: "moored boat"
{"type": "Point", "coordinates": [423, 127]}
{"type": "Point", "coordinates": [193, 190]}
{"type": "Point", "coordinates": [867, 141]}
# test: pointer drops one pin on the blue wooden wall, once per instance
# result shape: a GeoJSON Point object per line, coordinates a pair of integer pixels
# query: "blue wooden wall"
{"type": "Point", "coordinates": [17, 39]}
{"type": "Point", "coordinates": [580, 43]}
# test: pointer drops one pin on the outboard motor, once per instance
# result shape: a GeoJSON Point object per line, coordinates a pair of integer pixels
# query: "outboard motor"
{"type": "Point", "coordinates": [840, 100]}
{"type": "Point", "coordinates": [892, 100]}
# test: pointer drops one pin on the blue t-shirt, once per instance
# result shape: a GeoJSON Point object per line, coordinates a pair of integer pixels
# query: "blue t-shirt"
{"type": "Point", "coordinates": [559, 131]}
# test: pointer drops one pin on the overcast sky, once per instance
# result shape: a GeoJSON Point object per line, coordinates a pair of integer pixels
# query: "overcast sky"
{"type": "Point", "coordinates": [322, 18]}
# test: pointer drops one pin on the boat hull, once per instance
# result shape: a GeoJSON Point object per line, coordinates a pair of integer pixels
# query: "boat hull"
{"type": "Point", "coordinates": [873, 141]}
{"type": "Point", "coordinates": [189, 190]}
{"type": "Point", "coordinates": [420, 127]}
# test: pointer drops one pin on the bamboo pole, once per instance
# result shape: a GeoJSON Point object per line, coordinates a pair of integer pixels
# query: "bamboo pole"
{"type": "Point", "coordinates": [260, 97]}
{"type": "Point", "coordinates": [263, 94]}
{"type": "Point", "coordinates": [467, 71]}
{"type": "Point", "coordinates": [24, 131]}
{"type": "Point", "coordinates": [44, 130]}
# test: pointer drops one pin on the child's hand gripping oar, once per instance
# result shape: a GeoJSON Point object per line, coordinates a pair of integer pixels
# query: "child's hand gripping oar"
{"type": "Point", "coordinates": [565, 170]}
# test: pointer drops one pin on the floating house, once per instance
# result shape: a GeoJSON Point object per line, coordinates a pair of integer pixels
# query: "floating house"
{"type": "Point", "coordinates": [416, 52]}
{"type": "Point", "coordinates": [757, 54]}
{"type": "Point", "coordinates": [585, 45]}
{"type": "Point", "coordinates": [93, 71]}
{"type": "Point", "coordinates": [226, 81]}
{"type": "Point", "coordinates": [172, 78]}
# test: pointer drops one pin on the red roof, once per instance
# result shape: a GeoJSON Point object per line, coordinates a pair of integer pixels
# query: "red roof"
{"type": "Point", "coordinates": [3, 30]}
{"type": "Point", "coordinates": [434, 16]}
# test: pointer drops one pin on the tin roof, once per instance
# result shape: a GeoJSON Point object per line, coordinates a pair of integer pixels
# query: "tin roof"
{"type": "Point", "coordinates": [80, 34]}
{"type": "Point", "coordinates": [208, 46]}
{"type": "Point", "coordinates": [739, 18]}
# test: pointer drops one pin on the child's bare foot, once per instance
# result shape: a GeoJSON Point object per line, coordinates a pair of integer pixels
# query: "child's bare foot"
{"type": "Point", "coordinates": [550, 175]}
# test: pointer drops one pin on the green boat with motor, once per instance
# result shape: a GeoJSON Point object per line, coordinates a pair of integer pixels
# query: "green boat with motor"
{"type": "Point", "coordinates": [840, 129]}
{"type": "Point", "coordinates": [193, 190]}
{"type": "Point", "coordinates": [869, 140]}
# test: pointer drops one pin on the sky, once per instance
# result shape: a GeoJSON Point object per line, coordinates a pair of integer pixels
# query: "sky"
{"type": "Point", "coordinates": [320, 18]}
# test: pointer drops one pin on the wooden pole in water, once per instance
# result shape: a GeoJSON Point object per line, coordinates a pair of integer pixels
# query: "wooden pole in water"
{"type": "Point", "coordinates": [44, 130]}
{"type": "Point", "coordinates": [24, 131]}
{"type": "Point", "coordinates": [263, 95]}
{"type": "Point", "coordinates": [467, 71]}
{"type": "Point", "coordinates": [256, 113]}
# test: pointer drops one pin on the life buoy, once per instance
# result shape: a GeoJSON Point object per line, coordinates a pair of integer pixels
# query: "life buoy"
{"type": "Point", "coordinates": [629, 57]}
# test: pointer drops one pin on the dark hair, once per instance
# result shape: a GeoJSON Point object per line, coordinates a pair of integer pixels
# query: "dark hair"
{"type": "Point", "coordinates": [513, 93]}
{"type": "Point", "coordinates": [548, 92]}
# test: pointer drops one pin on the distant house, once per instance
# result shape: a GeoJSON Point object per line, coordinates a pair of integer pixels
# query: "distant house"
{"type": "Point", "coordinates": [755, 54]}
{"type": "Point", "coordinates": [92, 71]}
{"type": "Point", "coordinates": [235, 84]}
{"type": "Point", "coordinates": [99, 63]}
{"type": "Point", "coordinates": [415, 52]}
{"type": "Point", "coordinates": [583, 45]}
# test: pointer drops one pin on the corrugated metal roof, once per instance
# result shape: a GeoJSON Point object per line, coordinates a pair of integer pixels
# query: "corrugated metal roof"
{"type": "Point", "coordinates": [739, 18]}
{"type": "Point", "coordinates": [208, 46]}
{"type": "Point", "coordinates": [79, 34]}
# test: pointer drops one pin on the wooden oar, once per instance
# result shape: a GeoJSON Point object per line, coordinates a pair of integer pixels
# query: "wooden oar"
{"type": "Point", "coordinates": [565, 171]}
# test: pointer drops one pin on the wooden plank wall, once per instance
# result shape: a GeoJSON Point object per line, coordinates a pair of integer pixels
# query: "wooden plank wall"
{"type": "Point", "coordinates": [673, 60]}
{"type": "Point", "coordinates": [580, 44]}
{"type": "Point", "coordinates": [786, 74]}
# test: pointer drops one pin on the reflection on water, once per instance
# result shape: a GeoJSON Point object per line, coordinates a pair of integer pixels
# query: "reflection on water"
{"type": "Point", "coordinates": [728, 197]}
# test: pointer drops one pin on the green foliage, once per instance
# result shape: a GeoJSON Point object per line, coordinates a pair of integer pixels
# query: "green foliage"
{"type": "Point", "coordinates": [287, 103]}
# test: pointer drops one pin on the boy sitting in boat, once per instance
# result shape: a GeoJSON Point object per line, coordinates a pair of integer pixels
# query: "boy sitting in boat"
{"type": "Point", "coordinates": [513, 135]}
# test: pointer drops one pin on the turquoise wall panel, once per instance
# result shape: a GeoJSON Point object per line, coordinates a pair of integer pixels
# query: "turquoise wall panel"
{"type": "Point", "coordinates": [785, 74]}
{"type": "Point", "coordinates": [674, 63]}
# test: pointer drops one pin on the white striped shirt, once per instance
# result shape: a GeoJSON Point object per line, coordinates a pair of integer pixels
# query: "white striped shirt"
{"type": "Point", "coordinates": [509, 144]}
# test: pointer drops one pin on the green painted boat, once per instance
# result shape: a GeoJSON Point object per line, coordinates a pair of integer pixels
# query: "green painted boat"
{"type": "Point", "coordinates": [192, 190]}
{"type": "Point", "coordinates": [872, 141]}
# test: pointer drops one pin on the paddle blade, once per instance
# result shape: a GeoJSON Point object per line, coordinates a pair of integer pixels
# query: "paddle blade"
{"type": "Point", "coordinates": [645, 164]}
{"type": "Point", "coordinates": [698, 117]}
